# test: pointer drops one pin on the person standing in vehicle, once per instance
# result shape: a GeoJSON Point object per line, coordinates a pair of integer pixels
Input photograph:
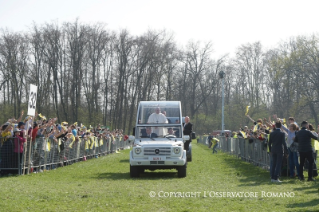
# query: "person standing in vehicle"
{"type": "Point", "coordinates": [188, 129]}
{"type": "Point", "coordinates": [158, 118]}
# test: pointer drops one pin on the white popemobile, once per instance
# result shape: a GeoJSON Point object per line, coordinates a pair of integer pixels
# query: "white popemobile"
{"type": "Point", "coordinates": [158, 143]}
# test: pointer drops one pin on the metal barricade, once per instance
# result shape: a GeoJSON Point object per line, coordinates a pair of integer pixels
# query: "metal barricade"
{"type": "Point", "coordinates": [203, 140]}
{"type": "Point", "coordinates": [251, 150]}
{"type": "Point", "coordinates": [48, 153]}
{"type": "Point", "coordinates": [11, 156]}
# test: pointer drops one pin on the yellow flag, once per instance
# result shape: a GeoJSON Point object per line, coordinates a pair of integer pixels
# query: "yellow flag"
{"type": "Point", "coordinates": [92, 142]}
{"type": "Point", "coordinates": [87, 143]}
{"type": "Point", "coordinates": [72, 142]}
{"type": "Point", "coordinates": [101, 142]}
{"type": "Point", "coordinates": [48, 145]}
{"type": "Point", "coordinates": [247, 109]}
{"type": "Point", "coordinates": [244, 134]}
{"type": "Point", "coordinates": [42, 117]}
{"type": "Point", "coordinates": [96, 142]}
{"type": "Point", "coordinates": [256, 127]}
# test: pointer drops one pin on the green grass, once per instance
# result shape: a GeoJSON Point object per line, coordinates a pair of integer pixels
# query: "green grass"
{"type": "Point", "coordinates": [104, 184]}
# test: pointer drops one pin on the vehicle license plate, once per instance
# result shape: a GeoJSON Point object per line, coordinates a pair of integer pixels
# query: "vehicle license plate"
{"type": "Point", "coordinates": [157, 158]}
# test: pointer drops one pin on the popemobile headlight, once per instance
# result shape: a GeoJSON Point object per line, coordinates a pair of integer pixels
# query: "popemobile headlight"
{"type": "Point", "coordinates": [177, 150]}
{"type": "Point", "coordinates": [138, 150]}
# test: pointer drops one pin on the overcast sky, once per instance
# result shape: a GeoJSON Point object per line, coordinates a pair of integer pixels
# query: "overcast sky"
{"type": "Point", "coordinates": [227, 23]}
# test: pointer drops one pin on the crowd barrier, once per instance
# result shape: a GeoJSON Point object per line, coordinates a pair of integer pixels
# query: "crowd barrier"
{"type": "Point", "coordinates": [253, 151]}
{"type": "Point", "coordinates": [46, 153]}
{"type": "Point", "coordinates": [250, 150]}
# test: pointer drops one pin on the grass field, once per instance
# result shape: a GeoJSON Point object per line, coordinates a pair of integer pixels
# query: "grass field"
{"type": "Point", "coordinates": [104, 184]}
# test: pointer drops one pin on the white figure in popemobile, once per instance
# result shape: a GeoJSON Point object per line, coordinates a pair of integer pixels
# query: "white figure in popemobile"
{"type": "Point", "coordinates": [158, 118]}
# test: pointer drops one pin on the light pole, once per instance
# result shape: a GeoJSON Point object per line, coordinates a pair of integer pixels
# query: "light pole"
{"type": "Point", "coordinates": [222, 76]}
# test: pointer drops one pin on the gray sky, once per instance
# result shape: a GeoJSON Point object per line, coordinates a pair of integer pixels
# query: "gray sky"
{"type": "Point", "coordinates": [227, 23]}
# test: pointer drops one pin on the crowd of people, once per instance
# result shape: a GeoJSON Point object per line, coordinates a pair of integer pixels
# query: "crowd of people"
{"type": "Point", "coordinates": [282, 140]}
{"type": "Point", "coordinates": [30, 128]}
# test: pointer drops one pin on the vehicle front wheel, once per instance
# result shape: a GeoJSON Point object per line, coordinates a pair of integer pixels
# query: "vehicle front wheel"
{"type": "Point", "coordinates": [182, 171]}
{"type": "Point", "coordinates": [134, 172]}
{"type": "Point", "coordinates": [142, 170]}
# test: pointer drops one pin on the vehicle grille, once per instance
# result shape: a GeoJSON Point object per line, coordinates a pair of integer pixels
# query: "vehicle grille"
{"type": "Point", "coordinates": [161, 150]}
{"type": "Point", "coordinates": [157, 162]}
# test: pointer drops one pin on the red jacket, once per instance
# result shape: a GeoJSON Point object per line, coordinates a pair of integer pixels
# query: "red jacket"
{"type": "Point", "coordinates": [18, 143]}
{"type": "Point", "coordinates": [34, 132]}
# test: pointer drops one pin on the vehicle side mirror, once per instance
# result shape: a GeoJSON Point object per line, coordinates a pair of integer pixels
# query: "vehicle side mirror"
{"type": "Point", "coordinates": [131, 138]}
{"type": "Point", "coordinates": [186, 137]}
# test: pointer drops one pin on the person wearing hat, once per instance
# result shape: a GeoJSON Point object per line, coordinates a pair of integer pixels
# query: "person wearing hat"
{"type": "Point", "coordinates": [18, 146]}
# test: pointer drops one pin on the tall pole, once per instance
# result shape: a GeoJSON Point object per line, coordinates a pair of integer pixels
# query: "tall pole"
{"type": "Point", "coordinates": [223, 124]}
{"type": "Point", "coordinates": [222, 76]}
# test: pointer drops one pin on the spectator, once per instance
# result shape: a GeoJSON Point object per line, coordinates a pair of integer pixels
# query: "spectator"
{"type": "Point", "coordinates": [210, 137]}
{"type": "Point", "coordinates": [291, 120]}
{"type": "Point", "coordinates": [292, 149]}
{"type": "Point", "coordinates": [215, 144]}
{"type": "Point", "coordinates": [257, 124]}
{"type": "Point", "coordinates": [6, 151]}
{"type": "Point", "coordinates": [6, 132]}
{"type": "Point", "coordinates": [21, 127]}
{"type": "Point", "coordinates": [34, 131]}
{"type": "Point", "coordinates": [18, 148]}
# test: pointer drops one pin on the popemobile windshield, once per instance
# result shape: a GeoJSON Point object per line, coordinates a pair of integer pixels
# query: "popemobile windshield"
{"type": "Point", "coordinates": [158, 141]}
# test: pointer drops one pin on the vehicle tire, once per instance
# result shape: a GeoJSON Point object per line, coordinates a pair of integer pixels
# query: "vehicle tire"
{"type": "Point", "coordinates": [182, 171]}
{"type": "Point", "coordinates": [134, 171]}
{"type": "Point", "coordinates": [142, 170]}
{"type": "Point", "coordinates": [189, 155]}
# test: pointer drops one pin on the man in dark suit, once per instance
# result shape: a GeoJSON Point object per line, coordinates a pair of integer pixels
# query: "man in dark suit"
{"type": "Point", "coordinates": [303, 138]}
{"type": "Point", "coordinates": [188, 129]}
{"type": "Point", "coordinates": [148, 133]}
{"type": "Point", "coordinates": [277, 147]}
